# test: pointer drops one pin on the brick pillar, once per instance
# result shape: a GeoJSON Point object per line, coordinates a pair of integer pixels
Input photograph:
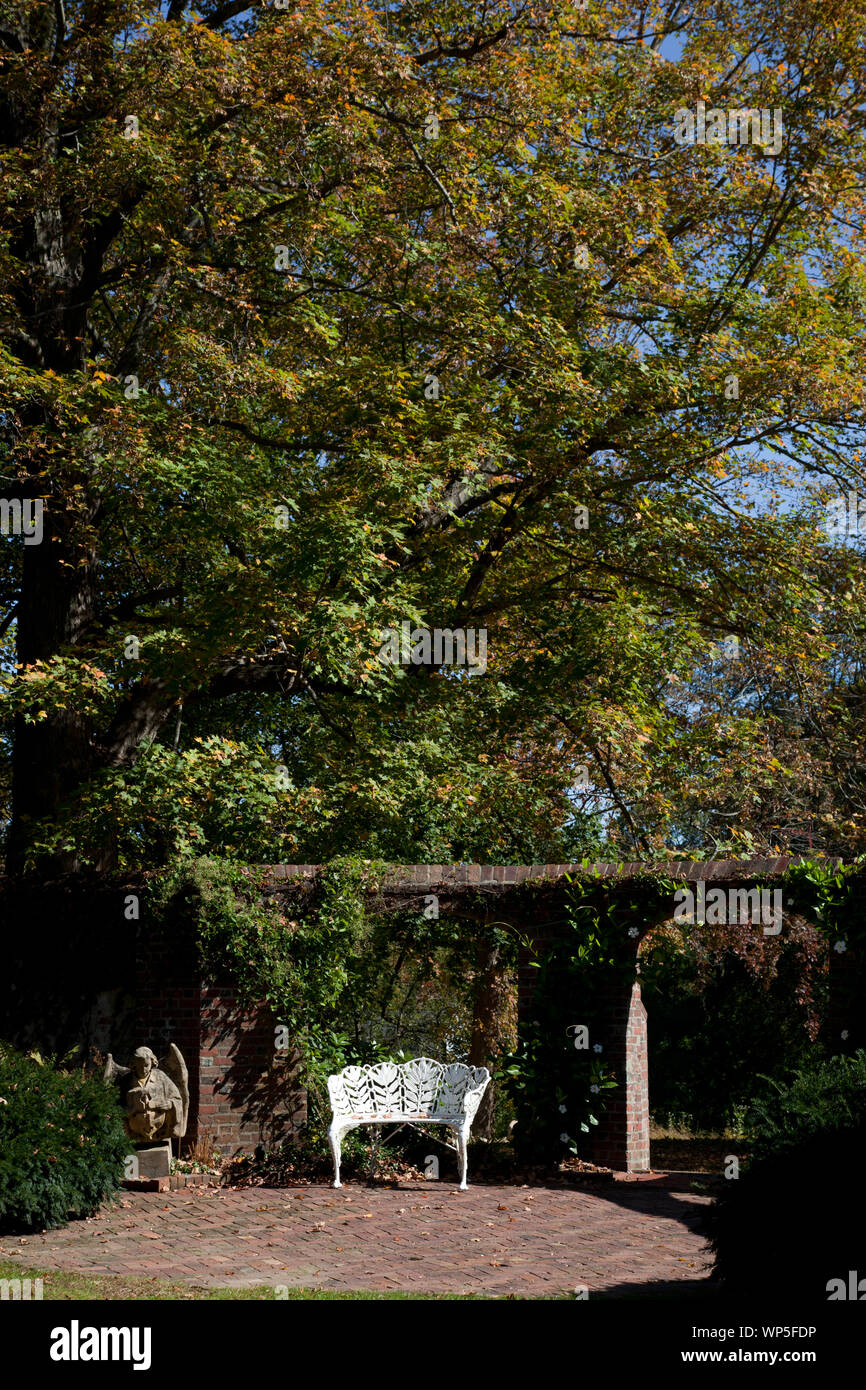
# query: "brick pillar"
{"type": "Point", "coordinates": [637, 1086]}
{"type": "Point", "coordinates": [242, 1091]}
{"type": "Point", "coordinates": [622, 1137]}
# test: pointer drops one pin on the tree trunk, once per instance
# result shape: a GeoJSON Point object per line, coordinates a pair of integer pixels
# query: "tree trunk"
{"type": "Point", "coordinates": [53, 756]}
{"type": "Point", "coordinates": [49, 455]}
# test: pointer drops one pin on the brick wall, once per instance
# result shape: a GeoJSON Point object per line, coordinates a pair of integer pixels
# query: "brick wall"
{"type": "Point", "coordinates": [86, 989]}
{"type": "Point", "coordinates": [248, 1091]}
{"type": "Point", "coordinates": [242, 1091]}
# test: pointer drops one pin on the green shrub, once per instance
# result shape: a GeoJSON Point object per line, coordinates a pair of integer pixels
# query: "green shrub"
{"type": "Point", "coordinates": [62, 1144]}
{"type": "Point", "coordinates": [827, 1094]}
{"type": "Point", "coordinates": [793, 1220]}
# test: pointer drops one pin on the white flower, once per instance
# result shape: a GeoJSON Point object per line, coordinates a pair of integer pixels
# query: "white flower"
{"type": "Point", "coordinates": [633, 931]}
{"type": "Point", "coordinates": [843, 1035]}
{"type": "Point", "coordinates": [840, 946]}
{"type": "Point", "coordinates": [562, 1110]}
{"type": "Point", "coordinates": [597, 1047]}
{"type": "Point", "coordinates": [564, 1138]}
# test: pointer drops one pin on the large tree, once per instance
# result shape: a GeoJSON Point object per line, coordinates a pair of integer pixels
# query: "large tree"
{"type": "Point", "coordinates": [322, 318]}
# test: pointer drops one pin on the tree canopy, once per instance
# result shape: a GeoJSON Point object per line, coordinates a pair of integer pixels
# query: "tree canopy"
{"type": "Point", "coordinates": [321, 319]}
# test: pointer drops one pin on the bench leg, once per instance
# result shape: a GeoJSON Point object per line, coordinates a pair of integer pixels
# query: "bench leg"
{"type": "Point", "coordinates": [462, 1134]}
{"type": "Point", "coordinates": [335, 1136]}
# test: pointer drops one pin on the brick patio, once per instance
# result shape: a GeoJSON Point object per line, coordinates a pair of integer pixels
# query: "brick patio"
{"type": "Point", "coordinates": [492, 1240]}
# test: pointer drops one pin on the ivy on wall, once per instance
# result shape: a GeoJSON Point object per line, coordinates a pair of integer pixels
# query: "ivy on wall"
{"type": "Point", "coordinates": [324, 957]}
{"type": "Point", "coordinates": [347, 982]}
{"type": "Point", "coordinates": [559, 1078]}
{"type": "Point", "coordinates": [833, 897]}
{"type": "Point", "coordinates": [298, 965]}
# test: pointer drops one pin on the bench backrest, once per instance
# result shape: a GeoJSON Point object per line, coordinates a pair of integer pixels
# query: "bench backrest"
{"type": "Point", "coordinates": [420, 1086]}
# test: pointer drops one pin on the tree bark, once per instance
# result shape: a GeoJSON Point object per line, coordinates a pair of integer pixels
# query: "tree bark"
{"type": "Point", "coordinates": [51, 756]}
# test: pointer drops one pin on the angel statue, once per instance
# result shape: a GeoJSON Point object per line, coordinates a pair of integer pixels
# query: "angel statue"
{"type": "Point", "coordinates": [155, 1096]}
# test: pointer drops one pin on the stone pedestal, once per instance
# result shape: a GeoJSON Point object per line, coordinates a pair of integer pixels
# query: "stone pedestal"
{"type": "Point", "coordinates": [147, 1184]}
{"type": "Point", "coordinates": [148, 1168]}
{"type": "Point", "coordinates": [154, 1160]}
{"type": "Point", "coordinates": [147, 1163]}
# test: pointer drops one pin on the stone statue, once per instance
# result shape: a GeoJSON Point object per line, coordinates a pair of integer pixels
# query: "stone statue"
{"type": "Point", "coordinates": [155, 1098]}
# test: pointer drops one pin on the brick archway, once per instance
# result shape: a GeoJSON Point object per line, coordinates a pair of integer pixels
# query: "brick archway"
{"type": "Point", "coordinates": [115, 997]}
{"type": "Point", "coordinates": [498, 892]}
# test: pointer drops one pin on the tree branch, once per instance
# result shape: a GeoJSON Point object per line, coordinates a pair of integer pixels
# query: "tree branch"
{"type": "Point", "coordinates": [469, 51]}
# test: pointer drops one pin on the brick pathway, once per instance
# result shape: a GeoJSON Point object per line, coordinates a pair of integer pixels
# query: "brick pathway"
{"type": "Point", "coordinates": [489, 1240]}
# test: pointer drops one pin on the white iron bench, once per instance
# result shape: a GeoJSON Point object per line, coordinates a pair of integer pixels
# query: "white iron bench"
{"type": "Point", "coordinates": [418, 1092]}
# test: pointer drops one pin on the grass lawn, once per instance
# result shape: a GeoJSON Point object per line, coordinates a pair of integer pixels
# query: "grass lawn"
{"type": "Point", "coordinates": [61, 1284]}
{"type": "Point", "coordinates": [58, 1285]}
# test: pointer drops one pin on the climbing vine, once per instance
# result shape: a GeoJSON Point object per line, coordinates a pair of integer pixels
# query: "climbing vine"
{"type": "Point", "coordinates": [343, 979]}
{"type": "Point", "coordinates": [297, 964]}
{"type": "Point", "coordinates": [832, 897]}
{"type": "Point", "coordinates": [559, 1076]}
{"type": "Point", "coordinates": [347, 982]}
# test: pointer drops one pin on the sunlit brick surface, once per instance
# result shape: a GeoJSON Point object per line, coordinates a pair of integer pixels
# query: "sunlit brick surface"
{"type": "Point", "coordinates": [424, 1238]}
